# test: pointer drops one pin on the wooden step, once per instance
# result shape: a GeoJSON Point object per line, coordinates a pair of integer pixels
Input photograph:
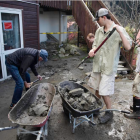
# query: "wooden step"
{"type": "Point", "coordinates": [123, 69]}
{"type": "Point", "coordinates": [120, 66]}
{"type": "Point", "coordinates": [121, 62]}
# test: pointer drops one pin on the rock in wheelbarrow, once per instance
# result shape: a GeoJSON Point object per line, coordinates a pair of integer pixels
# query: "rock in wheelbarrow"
{"type": "Point", "coordinates": [76, 92]}
{"type": "Point", "coordinates": [71, 100]}
{"type": "Point", "coordinates": [38, 110]}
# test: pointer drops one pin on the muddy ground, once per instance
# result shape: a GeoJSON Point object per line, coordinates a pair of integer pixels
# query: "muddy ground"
{"type": "Point", "coordinates": [120, 128]}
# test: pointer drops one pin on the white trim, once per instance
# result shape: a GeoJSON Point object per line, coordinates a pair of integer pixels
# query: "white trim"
{"type": "Point", "coordinates": [10, 9]}
{"type": "Point", "coordinates": [28, 2]}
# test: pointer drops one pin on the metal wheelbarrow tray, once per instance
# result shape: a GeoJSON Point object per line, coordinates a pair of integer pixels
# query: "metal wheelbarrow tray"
{"type": "Point", "coordinates": [29, 98]}
{"type": "Point", "coordinates": [77, 117]}
{"type": "Point", "coordinates": [67, 106]}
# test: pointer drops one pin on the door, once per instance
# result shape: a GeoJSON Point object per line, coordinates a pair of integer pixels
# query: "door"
{"type": "Point", "coordinates": [11, 38]}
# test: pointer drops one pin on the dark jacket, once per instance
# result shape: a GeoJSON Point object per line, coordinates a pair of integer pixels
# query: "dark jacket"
{"type": "Point", "coordinates": [24, 58]}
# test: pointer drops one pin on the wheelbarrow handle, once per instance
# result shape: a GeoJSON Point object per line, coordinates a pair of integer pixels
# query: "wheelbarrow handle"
{"type": "Point", "coordinates": [9, 128]}
{"type": "Point", "coordinates": [127, 112]}
{"type": "Point", "coordinates": [88, 120]}
{"type": "Point", "coordinates": [122, 111]}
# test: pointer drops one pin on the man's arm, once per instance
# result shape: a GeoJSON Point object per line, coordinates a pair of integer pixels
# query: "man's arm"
{"type": "Point", "coordinates": [35, 72]}
{"type": "Point", "coordinates": [26, 62]}
{"type": "Point", "coordinates": [126, 43]}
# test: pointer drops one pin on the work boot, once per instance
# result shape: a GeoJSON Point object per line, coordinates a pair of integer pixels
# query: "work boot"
{"type": "Point", "coordinates": [106, 117]}
{"type": "Point", "coordinates": [136, 104]}
{"type": "Point", "coordinates": [133, 115]}
{"type": "Point", "coordinates": [11, 106]}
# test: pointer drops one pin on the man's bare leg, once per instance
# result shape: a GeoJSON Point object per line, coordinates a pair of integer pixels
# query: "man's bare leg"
{"type": "Point", "coordinates": [97, 94]}
{"type": "Point", "coordinates": [107, 101]}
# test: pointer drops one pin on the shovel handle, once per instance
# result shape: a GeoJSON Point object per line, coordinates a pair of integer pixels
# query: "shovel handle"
{"type": "Point", "coordinates": [99, 45]}
{"type": "Point", "coordinates": [105, 40]}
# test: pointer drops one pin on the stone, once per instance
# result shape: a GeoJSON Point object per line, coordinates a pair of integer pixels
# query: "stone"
{"type": "Point", "coordinates": [62, 51]}
{"type": "Point", "coordinates": [77, 53]}
{"type": "Point", "coordinates": [68, 47]}
{"type": "Point", "coordinates": [74, 104]}
{"type": "Point", "coordinates": [66, 54]}
{"type": "Point", "coordinates": [88, 73]}
{"type": "Point", "coordinates": [71, 100]}
{"type": "Point", "coordinates": [86, 107]}
{"type": "Point", "coordinates": [73, 51]}
{"type": "Point", "coordinates": [85, 95]}
{"type": "Point", "coordinates": [38, 110]}
{"type": "Point", "coordinates": [91, 99]}
{"type": "Point", "coordinates": [61, 55]}
{"type": "Point", "coordinates": [76, 92]}
{"type": "Point", "coordinates": [83, 102]}
{"type": "Point", "coordinates": [81, 68]}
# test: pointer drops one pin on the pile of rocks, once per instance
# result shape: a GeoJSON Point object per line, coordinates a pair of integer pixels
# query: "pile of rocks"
{"type": "Point", "coordinates": [67, 50]}
{"type": "Point", "coordinates": [39, 108]}
{"type": "Point", "coordinates": [78, 99]}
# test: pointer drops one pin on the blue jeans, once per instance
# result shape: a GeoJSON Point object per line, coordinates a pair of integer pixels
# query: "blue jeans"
{"type": "Point", "coordinates": [19, 81]}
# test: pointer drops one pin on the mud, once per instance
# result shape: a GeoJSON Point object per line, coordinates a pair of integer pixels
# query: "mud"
{"type": "Point", "coordinates": [59, 126]}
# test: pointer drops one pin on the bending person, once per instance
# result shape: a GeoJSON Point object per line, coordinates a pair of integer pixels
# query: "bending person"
{"type": "Point", "coordinates": [18, 62]}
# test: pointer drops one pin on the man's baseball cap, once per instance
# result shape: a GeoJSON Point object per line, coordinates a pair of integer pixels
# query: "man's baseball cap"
{"type": "Point", "coordinates": [101, 12]}
{"type": "Point", "coordinates": [44, 55]}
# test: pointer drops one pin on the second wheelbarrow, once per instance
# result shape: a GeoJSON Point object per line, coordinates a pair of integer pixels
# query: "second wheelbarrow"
{"type": "Point", "coordinates": [19, 114]}
{"type": "Point", "coordinates": [76, 115]}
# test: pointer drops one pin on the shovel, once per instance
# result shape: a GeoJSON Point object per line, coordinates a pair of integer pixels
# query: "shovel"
{"type": "Point", "coordinates": [34, 82]}
{"type": "Point", "coordinates": [99, 46]}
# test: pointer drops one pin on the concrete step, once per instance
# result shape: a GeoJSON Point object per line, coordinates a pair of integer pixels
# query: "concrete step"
{"type": "Point", "coordinates": [123, 69]}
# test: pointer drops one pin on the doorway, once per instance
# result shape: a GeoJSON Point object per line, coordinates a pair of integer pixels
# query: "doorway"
{"type": "Point", "coordinates": [11, 38]}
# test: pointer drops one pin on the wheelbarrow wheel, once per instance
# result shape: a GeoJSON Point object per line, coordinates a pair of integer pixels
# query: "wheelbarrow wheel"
{"type": "Point", "coordinates": [18, 137]}
{"type": "Point", "coordinates": [44, 138]}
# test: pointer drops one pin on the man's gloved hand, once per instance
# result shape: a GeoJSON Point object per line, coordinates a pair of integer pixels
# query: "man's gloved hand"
{"type": "Point", "coordinates": [39, 77]}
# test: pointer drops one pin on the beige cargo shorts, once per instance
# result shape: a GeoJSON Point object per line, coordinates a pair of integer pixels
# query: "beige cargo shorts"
{"type": "Point", "coordinates": [103, 83]}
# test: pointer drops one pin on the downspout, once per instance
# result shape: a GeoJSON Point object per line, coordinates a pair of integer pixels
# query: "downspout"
{"type": "Point", "coordinates": [60, 21]}
{"type": "Point", "coordinates": [38, 26]}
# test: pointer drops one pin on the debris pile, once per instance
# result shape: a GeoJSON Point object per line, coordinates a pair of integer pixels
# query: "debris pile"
{"type": "Point", "coordinates": [78, 99]}
{"type": "Point", "coordinates": [67, 50]}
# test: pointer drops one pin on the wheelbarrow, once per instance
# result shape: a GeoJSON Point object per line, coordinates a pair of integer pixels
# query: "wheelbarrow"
{"type": "Point", "coordinates": [75, 116]}
{"type": "Point", "coordinates": [19, 113]}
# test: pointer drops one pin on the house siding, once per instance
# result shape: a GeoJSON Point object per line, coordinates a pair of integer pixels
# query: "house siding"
{"type": "Point", "coordinates": [30, 21]}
